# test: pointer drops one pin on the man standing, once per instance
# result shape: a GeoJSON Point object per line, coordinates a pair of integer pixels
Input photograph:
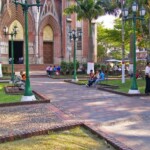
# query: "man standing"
{"type": "Point", "coordinates": [147, 78]}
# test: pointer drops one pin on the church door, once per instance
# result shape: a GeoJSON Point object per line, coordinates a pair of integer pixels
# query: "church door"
{"type": "Point", "coordinates": [48, 52]}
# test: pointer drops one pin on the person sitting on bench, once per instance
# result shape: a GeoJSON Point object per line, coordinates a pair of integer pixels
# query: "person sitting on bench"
{"type": "Point", "coordinates": [101, 77]}
{"type": "Point", "coordinates": [23, 76]}
{"type": "Point", "coordinates": [93, 78]}
{"type": "Point", "coordinates": [20, 81]}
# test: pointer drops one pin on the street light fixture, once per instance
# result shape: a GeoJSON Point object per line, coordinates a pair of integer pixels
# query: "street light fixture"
{"type": "Point", "coordinates": [75, 35]}
{"type": "Point", "coordinates": [134, 87]}
{"type": "Point", "coordinates": [12, 34]}
{"type": "Point", "coordinates": [28, 95]}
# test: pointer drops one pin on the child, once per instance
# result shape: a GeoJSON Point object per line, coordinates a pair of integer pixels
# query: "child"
{"type": "Point", "coordinates": [23, 76]}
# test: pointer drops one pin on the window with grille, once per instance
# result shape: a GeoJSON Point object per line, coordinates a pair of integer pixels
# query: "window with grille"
{"type": "Point", "coordinates": [79, 41]}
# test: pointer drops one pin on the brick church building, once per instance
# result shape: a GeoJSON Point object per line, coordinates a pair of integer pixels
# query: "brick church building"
{"type": "Point", "coordinates": [49, 42]}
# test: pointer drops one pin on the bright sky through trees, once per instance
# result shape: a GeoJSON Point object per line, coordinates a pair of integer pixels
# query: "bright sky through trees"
{"type": "Point", "coordinates": [108, 21]}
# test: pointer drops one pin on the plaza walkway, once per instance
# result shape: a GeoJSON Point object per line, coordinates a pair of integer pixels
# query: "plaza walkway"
{"type": "Point", "coordinates": [126, 119]}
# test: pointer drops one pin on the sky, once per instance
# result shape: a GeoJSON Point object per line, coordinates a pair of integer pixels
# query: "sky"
{"type": "Point", "coordinates": [108, 21]}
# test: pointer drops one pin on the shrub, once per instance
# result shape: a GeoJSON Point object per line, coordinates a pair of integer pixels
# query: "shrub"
{"type": "Point", "coordinates": [103, 67]}
{"type": "Point", "coordinates": [84, 65]}
{"type": "Point", "coordinates": [68, 67]}
{"type": "Point", "coordinates": [96, 66]}
{"type": "Point", "coordinates": [71, 66]}
{"type": "Point", "coordinates": [64, 67]}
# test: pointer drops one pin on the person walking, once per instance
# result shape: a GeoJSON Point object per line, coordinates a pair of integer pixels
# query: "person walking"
{"type": "Point", "coordinates": [147, 78]}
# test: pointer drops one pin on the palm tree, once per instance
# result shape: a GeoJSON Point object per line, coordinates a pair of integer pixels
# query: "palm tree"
{"type": "Point", "coordinates": [89, 10]}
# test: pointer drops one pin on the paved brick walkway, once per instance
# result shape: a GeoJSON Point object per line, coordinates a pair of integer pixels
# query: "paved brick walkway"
{"type": "Point", "coordinates": [28, 118]}
{"type": "Point", "coordinates": [124, 118]}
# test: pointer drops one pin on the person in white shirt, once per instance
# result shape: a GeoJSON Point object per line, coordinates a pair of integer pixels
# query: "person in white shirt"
{"type": "Point", "coordinates": [147, 78]}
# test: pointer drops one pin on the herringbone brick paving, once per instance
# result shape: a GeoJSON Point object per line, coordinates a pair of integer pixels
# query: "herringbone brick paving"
{"type": "Point", "coordinates": [20, 119]}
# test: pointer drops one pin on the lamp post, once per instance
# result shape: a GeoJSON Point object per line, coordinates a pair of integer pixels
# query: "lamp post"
{"type": "Point", "coordinates": [12, 34]}
{"type": "Point", "coordinates": [75, 35]}
{"type": "Point", "coordinates": [28, 95]}
{"type": "Point", "coordinates": [134, 17]}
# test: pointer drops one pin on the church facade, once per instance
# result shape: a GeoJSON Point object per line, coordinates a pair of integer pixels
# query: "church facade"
{"type": "Point", "coordinates": [48, 32]}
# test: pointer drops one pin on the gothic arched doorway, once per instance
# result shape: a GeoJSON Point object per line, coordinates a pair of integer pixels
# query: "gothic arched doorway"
{"type": "Point", "coordinates": [48, 52]}
{"type": "Point", "coordinates": [18, 43]}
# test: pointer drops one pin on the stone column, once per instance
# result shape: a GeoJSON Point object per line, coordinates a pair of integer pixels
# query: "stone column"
{"type": "Point", "coordinates": [36, 45]}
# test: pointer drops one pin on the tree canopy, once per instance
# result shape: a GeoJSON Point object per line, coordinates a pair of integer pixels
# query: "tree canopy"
{"type": "Point", "coordinates": [89, 10]}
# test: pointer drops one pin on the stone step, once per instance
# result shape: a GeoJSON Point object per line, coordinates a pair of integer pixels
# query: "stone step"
{"type": "Point", "coordinates": [18, 67]}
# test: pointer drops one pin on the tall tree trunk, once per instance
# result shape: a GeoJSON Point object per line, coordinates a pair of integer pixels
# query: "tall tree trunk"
{"type": "Point", "coordinates": [91, 49]}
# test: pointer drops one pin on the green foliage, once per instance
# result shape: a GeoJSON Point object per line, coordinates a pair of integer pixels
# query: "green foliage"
{"type": "Point", "coordinates": [96, 66]}
{"type": "Point", "coordinates": [89, 10]}
{"type": "Point", "coordinates": [86, 9]}
{"type": "Point", "coordinates": [71, 66]}
{"type": "Point", "coordinates": [84, 66]}
{"type": "Point", "coordinates": [68, 66]}
{"type": "Point", "coordinates": [103, 67]}
{"type": "Point", "coordinates": [111, 39]}
{"type": "Point", "coordinates": [101, 53]}
{"type": "Point", "coordinates": [64, 67]}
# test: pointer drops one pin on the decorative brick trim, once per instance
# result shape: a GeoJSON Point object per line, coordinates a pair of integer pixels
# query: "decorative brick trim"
{"type": "Point", "coordinates": [112, 141]}
{"type": "Point", "coordinates": [12, 93]}
{"type": "Point", "coordinates": [39, 132]}
{"type": "Point", "coordinates": [42, 99]}
{"type": "Point", "coordinates": [116, 144]}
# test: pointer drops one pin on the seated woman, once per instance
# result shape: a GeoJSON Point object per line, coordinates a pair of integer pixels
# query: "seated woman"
{"type": "Point", "coordinates": [47, 70]}
{"type": "Point", "coordinates": [92, 78]}
{"type": "Point", "coordinates": [101, 77]}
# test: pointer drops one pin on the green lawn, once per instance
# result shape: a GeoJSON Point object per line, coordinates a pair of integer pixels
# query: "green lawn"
{"type": "Point", "coordinates": [69, 76]}
{"type": "Point", "coordinates": [5, 98]}
{"type": "Point", "coordinates": [74, 139]}
{"type": "Point", "coordinates": [127, 85]}
{"type": "Point", "coordinates": [122, 87]}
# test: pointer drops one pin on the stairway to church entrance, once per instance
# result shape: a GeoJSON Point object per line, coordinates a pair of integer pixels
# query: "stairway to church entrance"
{"type": "Point", "coordinates": [48, 52]}
{"type": "Point", "coordinates": [18, 52]}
